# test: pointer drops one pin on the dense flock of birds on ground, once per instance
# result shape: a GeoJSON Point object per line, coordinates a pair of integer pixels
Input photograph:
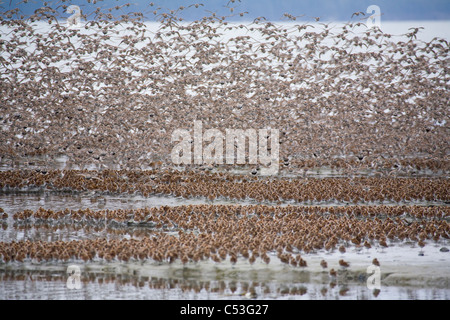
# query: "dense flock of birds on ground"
{"type": "Point", "coordinates": [110, 91]}
{"type": "Point", "coordinates": [222, 185]}
{"type": "Point", "coordinates": [219, 232]}
{"type": "Point", "coordinates": [192, 233]}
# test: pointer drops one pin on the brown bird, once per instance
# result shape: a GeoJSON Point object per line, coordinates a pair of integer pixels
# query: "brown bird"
{"type": "Point", "coordinates": [375, 262]}
{"type": "Point", "coordinates": [343, 263]}
{"type": "Point", "coordinates": [358, 13]}
{"type": "Point", "coordinates": [376, 292]}
{"type": "Point", "coordinates": [356, 241]}
{"type": "Point", "coordinates": [333, 273]}
{"type": "Point", "coordinates": [421, 244]}
{"type": "Point", "coordinates": [265, 258]}
{"type": "Point", "coordinates": [383, 243]}
{"type": "Point", "coordinates": [323, 264]}
{"type": "Point", "coordinates": [302, 263]}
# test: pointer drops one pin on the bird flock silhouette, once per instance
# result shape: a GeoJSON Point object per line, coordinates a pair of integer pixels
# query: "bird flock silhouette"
{"type": "Point", "coordinates": [108, 90]}
{"type": "Point", "coordinates": [112, 91]}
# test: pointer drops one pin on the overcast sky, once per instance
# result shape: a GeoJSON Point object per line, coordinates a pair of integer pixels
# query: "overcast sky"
{"type": "Point", "coordinates": [327, 10]}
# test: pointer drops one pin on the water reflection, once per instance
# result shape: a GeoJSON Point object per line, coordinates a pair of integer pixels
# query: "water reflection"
{"type": "Point", "coordinates": [52, 285]}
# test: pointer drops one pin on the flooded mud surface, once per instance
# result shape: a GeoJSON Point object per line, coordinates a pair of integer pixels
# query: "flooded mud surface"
{"type": "Point", "coordinates": [38, 214]}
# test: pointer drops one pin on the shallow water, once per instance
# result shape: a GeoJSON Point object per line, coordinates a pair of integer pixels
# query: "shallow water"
{"type": "Point", "coordinates": [137, 280]}
{"type": "Point", "coordinates": [60, 162]}
{"type": "Point", "coordinates": [405, 274]}
{"type": "Point", "coordinates": [54, 287]}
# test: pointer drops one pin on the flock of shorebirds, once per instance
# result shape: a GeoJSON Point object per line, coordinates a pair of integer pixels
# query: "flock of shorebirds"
{"type": "Point", "coordinates": [194, 233]}
{"type": "Point", "coordinates": [110, 92]}
{"type": "Point", "coordinates": [220, 185]}
{"type": "Point", "coordinates": [227, 232]}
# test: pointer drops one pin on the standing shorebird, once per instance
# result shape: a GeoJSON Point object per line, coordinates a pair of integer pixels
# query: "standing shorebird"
{"type": "Point", "coordinates": [383, 244]}
{"type": "Point", "coordinates": [421, 244]}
